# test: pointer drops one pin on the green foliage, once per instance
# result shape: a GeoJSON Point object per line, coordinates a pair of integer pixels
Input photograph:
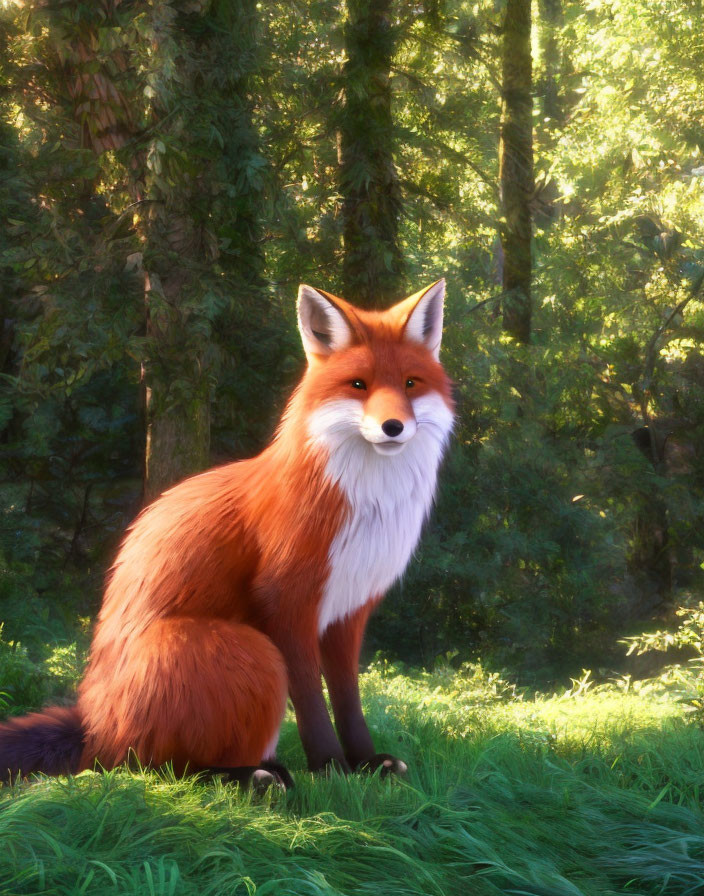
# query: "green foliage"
{"type": "Point", "coordinates": [689, 634]}
{"type": "Point", "coordinates": [591, 792]}
{"type": "Point", "coordinates": [571, 508]}
{"type": "Point", "coordinates": [70, 411]}
{"type": "Point", "coordinates": [23, 685]}
{"type": "Point", "coordinates": [687, 680]}
{"type": "Point", "coordinates": [36, 675]}
{"type": "Point", "coordinates": [64, 666]}
{"type": "Point", "coordinates": [30, 681]}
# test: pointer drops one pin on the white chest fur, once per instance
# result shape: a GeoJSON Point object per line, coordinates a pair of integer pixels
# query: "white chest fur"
{"type": "Point", "coordinates": [388, 499]}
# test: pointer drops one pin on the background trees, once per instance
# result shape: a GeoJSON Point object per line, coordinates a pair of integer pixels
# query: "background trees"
{"type": "Point", "coordinates": [172, 170]}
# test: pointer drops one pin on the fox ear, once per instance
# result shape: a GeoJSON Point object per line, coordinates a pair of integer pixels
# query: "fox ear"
{"type": "Point", "coordinates": [323, 326]}
{"type": "Point", "coordinates": [424, 321]}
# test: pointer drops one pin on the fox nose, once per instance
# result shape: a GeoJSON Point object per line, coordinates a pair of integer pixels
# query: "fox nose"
{"type": "Point", "coordinates": [392, 428]}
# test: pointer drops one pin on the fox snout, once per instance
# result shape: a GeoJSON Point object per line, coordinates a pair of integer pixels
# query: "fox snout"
{"type": "Point", "coordinates": [391, 437]}
{"type": "Point", "coordinates": [388, 422]}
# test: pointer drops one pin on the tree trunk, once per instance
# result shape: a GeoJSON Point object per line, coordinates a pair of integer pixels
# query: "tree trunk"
{"type": "Point", "coordinates": [93, 70]}
{"type": "Point", "coordinates": [199, 224]}
{"type": "Point", "coordinates": [650, 557]}
{"type": "Point", "coordinates": [554, 103]}
{"type": "Point", "coordinates": [552, 65]}
{"type": "Point", "coordinates": [178, 443]}
{"type": "Point", "coordinates": [177, 393]}
{"type": "Point", "coordinates": [371, 197]}
{"type": "Point", "coordinates": [174, 374]}
{"type": "Point", "coordinates": [516, 168]}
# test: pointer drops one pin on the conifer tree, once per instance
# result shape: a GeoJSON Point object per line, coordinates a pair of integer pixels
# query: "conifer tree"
{"type": "Point", "coordinates": [516, 168]}
{"type": "Point", "coordinates": [550, 24]}
{"type": "Point", "coordinates": [198, 219]}
{"type": "Point", "coordinates": [371, 199]}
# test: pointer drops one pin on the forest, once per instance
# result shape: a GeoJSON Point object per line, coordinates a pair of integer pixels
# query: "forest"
{"type": "Point", "coordinates": [170, 172]}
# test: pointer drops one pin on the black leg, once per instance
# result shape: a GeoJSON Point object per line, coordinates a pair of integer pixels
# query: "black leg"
{"type": "Point", "coordinates": [340, 646]}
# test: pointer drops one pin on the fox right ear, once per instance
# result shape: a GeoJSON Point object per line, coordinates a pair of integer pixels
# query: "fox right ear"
{"type": "Point", "coordinates": [323, 326]}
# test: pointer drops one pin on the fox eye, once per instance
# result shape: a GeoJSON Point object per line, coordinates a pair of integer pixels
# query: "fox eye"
{"type": "Point", "coordinates": [410, 382]}
{"type": "Point", "coordinates": [359, 384]}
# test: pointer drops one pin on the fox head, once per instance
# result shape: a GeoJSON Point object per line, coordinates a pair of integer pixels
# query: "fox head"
{"type": "Point", "coordinates": [374, 385]}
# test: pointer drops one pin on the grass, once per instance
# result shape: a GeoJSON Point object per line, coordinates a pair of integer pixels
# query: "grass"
{"type": "Point", "coordinates": [597, 791]}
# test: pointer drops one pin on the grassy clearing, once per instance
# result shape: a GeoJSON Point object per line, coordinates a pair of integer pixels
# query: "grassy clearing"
{"type": "Point", "coordinates": [588, 793]}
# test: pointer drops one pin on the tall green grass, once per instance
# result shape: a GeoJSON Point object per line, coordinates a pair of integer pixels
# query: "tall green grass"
{"type": "Point", "coordinates": [585, 793]}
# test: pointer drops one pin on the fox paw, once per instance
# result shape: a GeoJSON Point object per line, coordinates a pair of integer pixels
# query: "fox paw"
{"type": "Point", "coordinates": [262, 780]}
{"type": "Point", "coordinates": [385, 763]}
{"type": "Point", "coordinates": [259, 778]}
{"type": "Point", "coordinates": [281, 775]}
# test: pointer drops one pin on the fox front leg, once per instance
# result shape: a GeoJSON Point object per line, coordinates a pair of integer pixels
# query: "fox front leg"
{"type": "Point", "coordinates": [297, 640]}
{"type": "Point", "coordinates": [340, 646]}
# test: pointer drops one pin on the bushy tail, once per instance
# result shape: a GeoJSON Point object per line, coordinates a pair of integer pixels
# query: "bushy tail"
{"type": "Point", "coordinates": [50, 741]}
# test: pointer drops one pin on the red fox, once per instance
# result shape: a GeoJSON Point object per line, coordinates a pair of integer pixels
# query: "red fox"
{"type": "Point", "coordinates": [241, 585]}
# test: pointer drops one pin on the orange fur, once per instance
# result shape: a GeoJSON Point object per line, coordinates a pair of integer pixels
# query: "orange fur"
{"type": "Point", "coordinates": [210, 615]}
{"type": "Point", "coordinates": [183, 666]}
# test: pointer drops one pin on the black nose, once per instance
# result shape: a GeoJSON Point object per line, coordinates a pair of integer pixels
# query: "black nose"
{"type": "Point", "coordinates": [392, 427]}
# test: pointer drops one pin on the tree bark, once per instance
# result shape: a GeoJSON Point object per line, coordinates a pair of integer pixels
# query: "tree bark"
{"type": "Point", "coordinates": [177, 393]}
{"type": "Point", "coordinates": [516, 169]}
{"type": "Point", "coordinates": [371, 195]}
{"type": "Point", "coordinates": [650, 557]}
{"type": "Point", "coordinates": [176, 387]}
{"type": "Point", "coordinates": [93, 71]}
{"type": "Point", "coordinates": [96, 72]}
{"type": "Point", "coordinates": [199, 223]}
{"type": "Point", "coordinates": [552, 63]}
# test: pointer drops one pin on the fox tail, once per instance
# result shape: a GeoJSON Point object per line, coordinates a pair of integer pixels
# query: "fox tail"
{"type": "Point", "coordinates": [50, 741]}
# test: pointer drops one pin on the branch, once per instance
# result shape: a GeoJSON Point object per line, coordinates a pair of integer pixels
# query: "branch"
{"type": "Point", "coordinates": [651, 351]}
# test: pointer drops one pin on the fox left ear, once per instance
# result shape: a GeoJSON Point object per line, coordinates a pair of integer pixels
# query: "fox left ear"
{"type": "Point", "coordinates": [322, 323]}
{"type": "Point", "coordinates": [424, 321]}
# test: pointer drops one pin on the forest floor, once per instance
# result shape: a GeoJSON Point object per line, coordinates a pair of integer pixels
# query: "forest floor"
{"type": "Point", "coordinates": [595, 791]}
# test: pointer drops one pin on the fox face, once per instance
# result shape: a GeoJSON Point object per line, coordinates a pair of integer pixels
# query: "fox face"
{"type": "Point", "coordinates": [374, 381]}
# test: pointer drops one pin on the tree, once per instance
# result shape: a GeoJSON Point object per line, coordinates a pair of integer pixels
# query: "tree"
{"type": "Point", "coordinates": [198, 218]}
{"type": "Point", "coordinates": [516, 168]}
{"type": "Point", "coordinates": [550, 24]}
{"type": "Point", "coordinates": [371, 198]}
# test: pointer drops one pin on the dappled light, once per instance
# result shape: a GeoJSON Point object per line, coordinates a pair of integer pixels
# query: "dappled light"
{"type": "Point", "coordinates": [171, 172]}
